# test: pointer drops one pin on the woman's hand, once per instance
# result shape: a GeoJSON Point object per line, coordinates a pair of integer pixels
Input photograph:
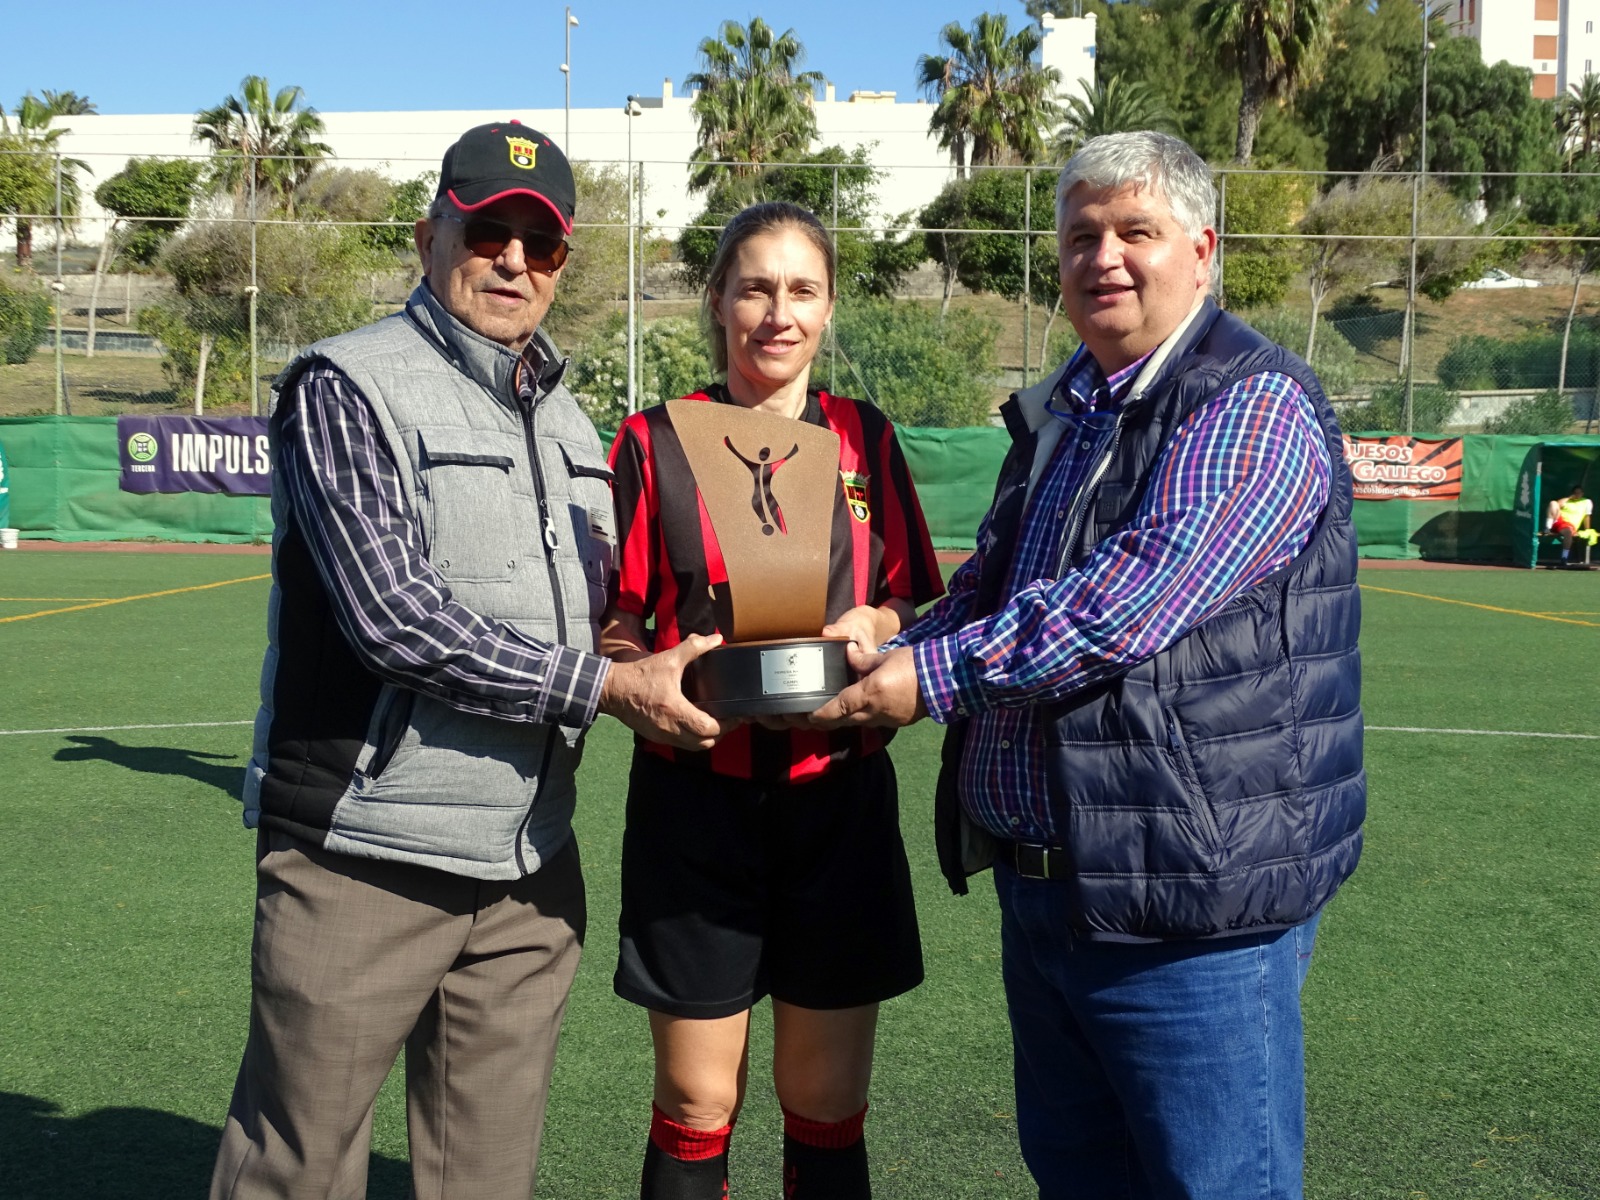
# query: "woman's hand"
{"type": "Point", "coordinates": [868, 627]}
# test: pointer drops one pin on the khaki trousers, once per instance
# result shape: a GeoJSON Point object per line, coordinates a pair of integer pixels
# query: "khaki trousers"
{"type": "Point", "coordinates": [353, 958]}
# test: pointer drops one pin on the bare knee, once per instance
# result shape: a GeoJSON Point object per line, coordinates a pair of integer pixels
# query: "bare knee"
{"type": "Point", "coordinates": [703, 1104]}
{"type": "Point", "coordinates": [700, 1068]}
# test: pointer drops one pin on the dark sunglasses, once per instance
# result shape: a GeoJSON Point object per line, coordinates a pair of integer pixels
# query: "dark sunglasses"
{"type": "Point", "coordinates": [488, 239]}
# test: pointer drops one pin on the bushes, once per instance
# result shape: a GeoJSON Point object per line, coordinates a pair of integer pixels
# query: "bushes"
{"type": "Point", "coordinates": [1477, 363]}
{"type": "Point", "coordinates": [1334, 358]}
{"type": "Point", "coordinates": [227, 362]}
{"type": "Point", "coordinates": [917, 369]}
{"type": "Point", "coordinates": [672, 363]}
{"type": "Point", "coordinates": [898, 355]}
{"type": "Point", "coordinates": [25, 312]}
{"type": "Point", "coordinates": [1432, 407]}
{"type": "Point", "coordinates": [1548, 412]}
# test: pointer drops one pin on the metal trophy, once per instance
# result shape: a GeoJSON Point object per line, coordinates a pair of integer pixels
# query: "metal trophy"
{"type": "Point", "coordinates": [769, 485]}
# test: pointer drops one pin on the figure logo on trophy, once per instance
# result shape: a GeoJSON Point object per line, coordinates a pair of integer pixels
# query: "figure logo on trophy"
{"type": "Point", "coordinates": [772, 511]}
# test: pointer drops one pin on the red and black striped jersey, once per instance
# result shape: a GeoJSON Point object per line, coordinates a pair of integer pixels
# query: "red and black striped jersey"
{"type": "Point", "coordinates": [670, 561]}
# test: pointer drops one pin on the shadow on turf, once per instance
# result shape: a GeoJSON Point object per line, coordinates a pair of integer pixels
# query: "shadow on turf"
{"type": "Point", "coordinates": [157, 760]}
{"type": "Point", "coordinates": [127, 1152]}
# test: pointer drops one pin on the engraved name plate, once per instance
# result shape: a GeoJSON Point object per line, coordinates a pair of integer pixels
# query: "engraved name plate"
{"type": "Point", "coordinates": [790, 669]}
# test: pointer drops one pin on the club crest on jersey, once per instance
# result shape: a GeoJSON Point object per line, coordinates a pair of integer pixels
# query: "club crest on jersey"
{"type": "Point", "coordinates": [524, 153]}
{"type": "Point", "coordinates": [855, 494]}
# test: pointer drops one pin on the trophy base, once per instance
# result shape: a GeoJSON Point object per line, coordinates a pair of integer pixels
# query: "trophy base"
{"type": "Point", "coordinates": [757, 679]}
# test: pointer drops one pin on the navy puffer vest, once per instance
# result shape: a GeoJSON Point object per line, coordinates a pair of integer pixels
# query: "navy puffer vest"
{"type": "Point", "coordinates": [1217, 787]}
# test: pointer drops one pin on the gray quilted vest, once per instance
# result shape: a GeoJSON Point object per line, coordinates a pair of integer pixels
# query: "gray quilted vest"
{"type": "Point", "coordinates": [511, 501]}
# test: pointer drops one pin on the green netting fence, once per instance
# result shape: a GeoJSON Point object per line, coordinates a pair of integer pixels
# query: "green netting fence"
{"type": "Point", "coordinates": [65, 485]}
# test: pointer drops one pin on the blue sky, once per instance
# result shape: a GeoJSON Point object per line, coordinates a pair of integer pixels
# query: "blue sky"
{"type": "Point", "coordinates": [154, 57]}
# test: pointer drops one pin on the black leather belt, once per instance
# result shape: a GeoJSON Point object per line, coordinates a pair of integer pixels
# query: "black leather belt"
{"type": "Point", "coordinates": [1033, 861]}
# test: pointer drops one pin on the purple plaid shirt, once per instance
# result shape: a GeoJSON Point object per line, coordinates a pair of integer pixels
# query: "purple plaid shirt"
{"type": "Point", "coordinates": [1234, 495]}
{"type": "Point", "coordinates": [392, 606]}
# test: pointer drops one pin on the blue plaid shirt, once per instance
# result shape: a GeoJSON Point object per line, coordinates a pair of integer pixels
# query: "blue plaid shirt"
{"type": "Point", "coordinates": [1234, 496]}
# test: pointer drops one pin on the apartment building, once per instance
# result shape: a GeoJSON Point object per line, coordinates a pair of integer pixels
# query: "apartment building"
{"type": "Point", "coordinates": [1555, 39]}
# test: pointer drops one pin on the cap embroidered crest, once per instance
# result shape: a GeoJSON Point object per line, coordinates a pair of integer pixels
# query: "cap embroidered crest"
{"type": "Point", "coordinates": [524, 153]}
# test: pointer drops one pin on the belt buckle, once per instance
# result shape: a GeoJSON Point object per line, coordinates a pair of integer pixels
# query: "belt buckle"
{"type": "Point", "coordinates": [1033, 850]}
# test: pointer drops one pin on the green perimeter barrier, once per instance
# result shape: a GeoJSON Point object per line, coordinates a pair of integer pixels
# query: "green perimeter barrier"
{"type": "Point", "coordinates": [1479, 527]}
{"type": "Point", "coordinates": [65, 478]}
{"type": "Point", "coordinates": [66, 485]}
{"type": "Point", "coordinates": [954, 470]}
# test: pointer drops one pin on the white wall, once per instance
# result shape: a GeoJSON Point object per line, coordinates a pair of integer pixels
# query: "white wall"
{"type": "Point", "coordinates": [403, 145]}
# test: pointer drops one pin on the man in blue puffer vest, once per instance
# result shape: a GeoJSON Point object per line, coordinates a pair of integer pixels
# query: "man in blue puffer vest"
{"type": "Point", "coordinates": [1149, 676]}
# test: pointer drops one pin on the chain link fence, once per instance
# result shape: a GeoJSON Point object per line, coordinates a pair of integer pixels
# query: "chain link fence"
{"type": "Point", "coordinates": [1430, 315]}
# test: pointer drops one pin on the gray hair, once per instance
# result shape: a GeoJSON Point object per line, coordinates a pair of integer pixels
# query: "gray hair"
{"type": "Point", "coordinates": [1156, 162]}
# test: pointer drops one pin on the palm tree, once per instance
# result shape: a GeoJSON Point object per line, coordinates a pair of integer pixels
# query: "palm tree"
{"type": "Point", "coordinates": [1114, 105]}
{"type": "Point", "coordinates": [68, 104]}
{"type": "Point", "coordinates": [1579, 115]}
{"type": "Point", "coordinates": [753, 106]}
{"type": "Point", "coordinates": [32, 152]}
{"type": "Point", "coordinates": [261, 138]}
{"type": "Point", "coordinates": [1275, 45]}
{"type": "Point", "coordinates": [992, 99]}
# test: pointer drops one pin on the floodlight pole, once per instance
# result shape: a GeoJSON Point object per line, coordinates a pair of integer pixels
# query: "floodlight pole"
{"type": "Point", "coordinates": [632, 110]}
{"type": "Point", "coordinates": [566, 71]}
{"type": "Point", "coordinates": [1416, 204]}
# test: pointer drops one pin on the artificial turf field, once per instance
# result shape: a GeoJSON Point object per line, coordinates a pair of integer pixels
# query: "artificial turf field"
{"type": "Point", "coordinates": [1453, 1033]}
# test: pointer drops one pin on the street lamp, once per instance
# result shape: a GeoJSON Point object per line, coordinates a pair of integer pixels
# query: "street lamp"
{"type": "Point", "coordinates": [1427, 47]}
{"type": "Point", "coordinates": [632, 110]}
{"type": "Point", "coordinates": [566, 70]}
{"type": "Point", "coordinates": [1416, 204]}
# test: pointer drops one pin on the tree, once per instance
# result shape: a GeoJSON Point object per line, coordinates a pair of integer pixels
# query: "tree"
{"type": "Point", "coordinates": [1580, 114]}
{"type": "Point", "coordinates": [261, 138]}
{"type": "Point", "coordinates": [1275, 45]}
{"type": "Point", "coordinates": [314, 280]}
{"type": "Point", "coordinates": [754, 106]}
{"type": "Point", "coordinates": [28, 182]}
{"type": "Point", "coordinates": [1256, 271]}
{"type": "Point", "coordinates": [1159, 43]}
{"type": "Point", "coordinates": [1485, 119]}
{"type": "Point", "coordinates": [68, 104]}
{"type": "Point", "coordinates": [385, 211]}
{"type": "Point", "coordinates": [1583, 257]}
{"type": "Point", "coordinates": [596, 274]}
{"type": "Point", "coordinates": [150, 197]}
{"type": "Point", "coordinates": [1365, 104]}
{"type": "Point", "coordinates": [993, 103]}
{"type": "Point", "coordinates": [995, 262]}
{"type": "Point", "coordinates": [866, 263]}
{"type": "Point", "coordinates": [1113, 105]}
{"type": "Point", "coordinates": [1337, 221]}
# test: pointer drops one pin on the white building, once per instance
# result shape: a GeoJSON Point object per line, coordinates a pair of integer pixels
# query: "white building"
{"type": "Point", "coordinates": [1555, 39]}
{"type": "Point", "coordinates": [659, 140]}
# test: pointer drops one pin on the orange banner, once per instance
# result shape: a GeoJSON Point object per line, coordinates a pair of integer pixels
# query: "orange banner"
{"type": "Point", "coordinates": [1405, 468]}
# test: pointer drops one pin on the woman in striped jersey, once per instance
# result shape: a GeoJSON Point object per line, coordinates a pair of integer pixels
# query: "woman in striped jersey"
{"type": "Point", "coordinates": [772, 863]}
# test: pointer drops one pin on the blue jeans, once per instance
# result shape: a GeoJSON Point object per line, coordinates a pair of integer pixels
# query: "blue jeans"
{"type": "Point", "coordinates": [1169, 1071]}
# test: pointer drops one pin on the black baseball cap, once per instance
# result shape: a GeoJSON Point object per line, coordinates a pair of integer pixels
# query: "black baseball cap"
{"type": "Point", "coordinates": [490, 162]}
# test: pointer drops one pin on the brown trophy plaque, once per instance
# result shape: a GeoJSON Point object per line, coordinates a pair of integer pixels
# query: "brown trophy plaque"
{"type": "Point", "coordinates": [769, 485]}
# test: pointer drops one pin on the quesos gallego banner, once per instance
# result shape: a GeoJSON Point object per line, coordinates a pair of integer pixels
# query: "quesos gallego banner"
{"type": "Point", "coordinates": [195, 454]}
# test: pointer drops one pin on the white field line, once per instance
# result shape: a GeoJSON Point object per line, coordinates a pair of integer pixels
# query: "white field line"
{"type": "Point", "coordinates": [1582, 737]}
{"type": "Point", "coordinates": [123, 728]}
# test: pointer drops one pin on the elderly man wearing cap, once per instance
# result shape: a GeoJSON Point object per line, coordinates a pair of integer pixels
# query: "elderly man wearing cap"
{"type": "Point", "coordinates": [442, 549]}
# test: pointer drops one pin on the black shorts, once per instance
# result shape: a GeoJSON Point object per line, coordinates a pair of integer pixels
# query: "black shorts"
{"type": "Point", "coordinates": [733, 890]}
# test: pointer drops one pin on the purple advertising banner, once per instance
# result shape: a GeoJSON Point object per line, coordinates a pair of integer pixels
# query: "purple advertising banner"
{"type": "Point", "coordinates": [195, 454]}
